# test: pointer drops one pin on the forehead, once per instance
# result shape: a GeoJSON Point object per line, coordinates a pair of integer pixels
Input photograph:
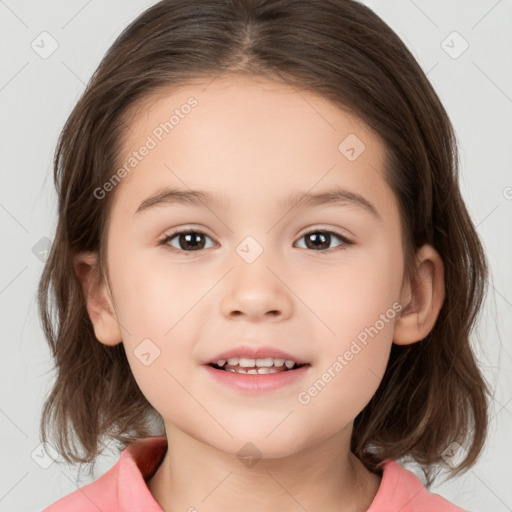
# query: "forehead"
{"type": "Point", "coordinates": [248, 139]}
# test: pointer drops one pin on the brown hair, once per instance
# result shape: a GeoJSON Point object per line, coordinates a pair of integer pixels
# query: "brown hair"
{"type": "Point", "coordinates": [432, 393]}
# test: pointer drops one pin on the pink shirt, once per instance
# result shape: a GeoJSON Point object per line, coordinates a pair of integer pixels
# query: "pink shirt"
{"type": "Point", "coordinates": [123, 487]}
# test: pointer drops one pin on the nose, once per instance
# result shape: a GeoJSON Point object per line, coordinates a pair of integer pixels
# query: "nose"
{"type": "Point", "coordinates": [256, 291]}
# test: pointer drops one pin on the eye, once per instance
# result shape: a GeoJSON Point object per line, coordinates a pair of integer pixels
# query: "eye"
{"type": "Point", "coordinates": [193, 240]}
{"type": "Point", "coordinates": [188, 241]}
{"type": "Point", "coordinates": [319, 240]}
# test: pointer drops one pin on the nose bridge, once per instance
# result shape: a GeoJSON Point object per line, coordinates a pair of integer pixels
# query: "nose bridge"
{"type": "Point", "coordinates": [250, 249]}
{"type": "Point", "coordinates": [252, 261]}
{"type": "Point", "coordinates": [255, 289]}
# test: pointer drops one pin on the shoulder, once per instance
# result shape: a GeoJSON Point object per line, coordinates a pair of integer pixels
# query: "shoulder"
{"type": "Point", "coordinates": [123, 486]}
{"type": "Point", "coordinates": [98, 495]}
{"type": "Point", "coordinates": [401, 490]}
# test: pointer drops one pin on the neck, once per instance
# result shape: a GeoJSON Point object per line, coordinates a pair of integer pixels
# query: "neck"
{"type": "Point", "coordinates": [326, 476]}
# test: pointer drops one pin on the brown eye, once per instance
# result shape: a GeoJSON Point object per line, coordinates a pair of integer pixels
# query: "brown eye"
{"type": "Point", "coordinates": [187, 241]}
{"type": "Point", "coordinates": [321, 240]}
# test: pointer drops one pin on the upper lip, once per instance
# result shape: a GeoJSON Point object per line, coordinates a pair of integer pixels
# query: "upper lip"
{"type": "Point", "coordinates": [255, 352]}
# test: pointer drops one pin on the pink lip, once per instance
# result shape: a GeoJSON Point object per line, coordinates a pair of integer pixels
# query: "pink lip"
{"type": "Point", "coordinates": [256, 383]}
{"type": "Point", "coordinates": [259, 352]}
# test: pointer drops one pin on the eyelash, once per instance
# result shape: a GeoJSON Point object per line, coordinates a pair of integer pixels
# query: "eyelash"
{"type": "Point", "coordinates": [169, 237]}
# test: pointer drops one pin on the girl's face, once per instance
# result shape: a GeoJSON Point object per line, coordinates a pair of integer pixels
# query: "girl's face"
{"type": "Point", "coordinates": [318, 280]}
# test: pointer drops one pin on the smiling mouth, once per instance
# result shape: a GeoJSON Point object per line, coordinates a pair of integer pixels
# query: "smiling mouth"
{"type": "Point", "coordinates": [256, 366]}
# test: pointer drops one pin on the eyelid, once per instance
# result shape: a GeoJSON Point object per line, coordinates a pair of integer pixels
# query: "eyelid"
{"type": "Point", "coordinates": [197, 229]}
{"type": "Point", "coordinates": [337, 231]}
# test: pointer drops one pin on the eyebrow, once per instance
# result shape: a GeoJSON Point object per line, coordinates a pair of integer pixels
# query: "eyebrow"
{"type": "Point", "coordinates": [297, 199]}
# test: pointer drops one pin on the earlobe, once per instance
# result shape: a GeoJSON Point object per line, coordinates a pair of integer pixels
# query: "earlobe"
{"type": "Point", "coordinates": [98, 301]}
{"type": "Point", "coordinates": [423, 297]}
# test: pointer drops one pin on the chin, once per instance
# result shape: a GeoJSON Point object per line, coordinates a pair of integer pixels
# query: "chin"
{"type": "Point", "coordinates": [259, 446]}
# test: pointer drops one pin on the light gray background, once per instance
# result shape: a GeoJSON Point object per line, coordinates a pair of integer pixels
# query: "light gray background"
{"type": "Point", "coordinates": [37, 95]}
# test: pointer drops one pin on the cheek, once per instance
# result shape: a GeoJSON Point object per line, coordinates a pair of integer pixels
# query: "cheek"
{"type": "Point", "coordinates": [159, 309]}
{"type": "Point", "coordinates": [357, 304]}
{"type": "Point", "coordinates": [341, 389]}
{"type": "Point", "coordinates": [153, 296]}
{"type": "Point", "coordinates": [350, 369]}
{"type": "Point", "coordinates": [353, 294]}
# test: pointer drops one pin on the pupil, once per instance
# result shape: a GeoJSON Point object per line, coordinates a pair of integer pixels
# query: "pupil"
{"type": "Point", "coordinates": [191, 240]}
{"type": "Point", "coordinates": [324, 240]}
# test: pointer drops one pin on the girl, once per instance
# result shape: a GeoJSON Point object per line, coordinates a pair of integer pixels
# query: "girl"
{"type": "Point", "coordinates": [263, 276]}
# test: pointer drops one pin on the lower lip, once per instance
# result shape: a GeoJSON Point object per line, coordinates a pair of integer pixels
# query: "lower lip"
{"type": "Point", "coordinates": [255, 382]}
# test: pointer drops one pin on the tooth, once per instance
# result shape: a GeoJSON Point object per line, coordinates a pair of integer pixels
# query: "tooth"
{"type": "Point", "coordinates": [262, 370]}
{"type": "Point", "coordinates": [247, 363]}
{"type": "Point", "coordinates": [255, 364]}
{"type": "Point", "coordinates": [265, 362]}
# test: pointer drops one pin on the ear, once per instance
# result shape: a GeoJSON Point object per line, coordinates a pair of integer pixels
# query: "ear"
{"type": "Point", "coordinates": [98, 299]}
{"type": "Point", "coordinates": [422, 297]}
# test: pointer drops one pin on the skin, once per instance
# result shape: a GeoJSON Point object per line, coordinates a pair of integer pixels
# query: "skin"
{"type": "Point", "coordinates": [256, 142]}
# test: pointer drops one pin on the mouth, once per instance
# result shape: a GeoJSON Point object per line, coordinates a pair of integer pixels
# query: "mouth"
{"type": "Point", "coordinates": [256, 366]}
{"type": "Point", "coordinates": [250, 369]}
